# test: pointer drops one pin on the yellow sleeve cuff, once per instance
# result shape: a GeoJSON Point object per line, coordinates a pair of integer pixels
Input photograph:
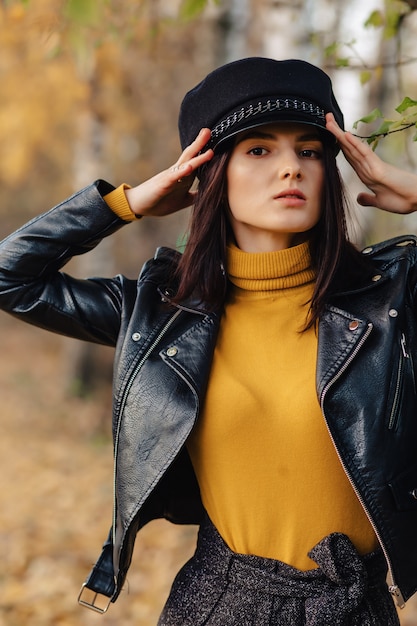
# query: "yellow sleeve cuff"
{"type": "Point", "coordinates": [118, 203]}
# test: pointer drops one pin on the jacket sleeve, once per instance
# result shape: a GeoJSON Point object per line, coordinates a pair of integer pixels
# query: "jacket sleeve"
{"type": "Point", "coordinates": [33, 288]}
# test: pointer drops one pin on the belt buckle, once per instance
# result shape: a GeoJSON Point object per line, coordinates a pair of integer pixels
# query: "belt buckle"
{"type": "Point", "coordinates": [90, 599]}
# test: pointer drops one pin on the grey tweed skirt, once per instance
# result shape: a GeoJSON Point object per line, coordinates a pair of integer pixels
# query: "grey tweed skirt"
{"type": "Point", "coordinates": [218, 587]}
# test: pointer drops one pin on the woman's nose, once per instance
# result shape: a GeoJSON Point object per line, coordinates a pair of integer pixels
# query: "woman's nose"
{"type": "Point", "coordinates": [291, 171]}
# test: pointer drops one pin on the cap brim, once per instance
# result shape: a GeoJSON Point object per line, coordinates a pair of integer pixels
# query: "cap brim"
{"type": "Point", "coordinates": [219, 144]}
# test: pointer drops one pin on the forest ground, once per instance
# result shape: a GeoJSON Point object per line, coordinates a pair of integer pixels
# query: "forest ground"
{"type": "Point", "coordinates": [56, 497]}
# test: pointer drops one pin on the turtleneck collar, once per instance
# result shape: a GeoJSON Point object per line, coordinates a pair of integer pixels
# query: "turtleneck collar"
{"type": "Point", "coordinates": [269, 271]}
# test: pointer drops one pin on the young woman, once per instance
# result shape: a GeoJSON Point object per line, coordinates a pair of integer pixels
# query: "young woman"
{"type": "Point", "coordinates": [264, 379]}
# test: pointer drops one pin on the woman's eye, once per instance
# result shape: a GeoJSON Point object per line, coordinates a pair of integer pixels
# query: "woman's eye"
{"type": "Point", "coordinates": [257, 151]}
{"type": "Point", "coordinates": [309, 153]}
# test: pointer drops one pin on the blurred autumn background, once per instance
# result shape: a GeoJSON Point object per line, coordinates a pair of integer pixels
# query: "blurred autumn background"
{"type": "Point", "coordinates": [91, 89]}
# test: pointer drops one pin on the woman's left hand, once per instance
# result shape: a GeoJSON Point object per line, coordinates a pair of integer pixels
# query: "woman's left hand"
{"type": "Point", "coordinates": [393, 189]}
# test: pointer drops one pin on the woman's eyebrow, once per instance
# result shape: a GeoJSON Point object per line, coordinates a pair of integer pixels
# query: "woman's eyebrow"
{"type": "Point", "coordinates": [255, 134]}
{"type": "Point", "coordinates": [309, 137]}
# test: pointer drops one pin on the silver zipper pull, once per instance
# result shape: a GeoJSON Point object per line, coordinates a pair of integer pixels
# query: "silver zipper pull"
{"type": "Point", "coordinates": [396, 593]}
{"type": "Point", "coordinates": [404, 347]}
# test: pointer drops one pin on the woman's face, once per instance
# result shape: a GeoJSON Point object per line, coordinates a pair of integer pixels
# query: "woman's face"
{"type": "Point", "coordinates": [275, 184]}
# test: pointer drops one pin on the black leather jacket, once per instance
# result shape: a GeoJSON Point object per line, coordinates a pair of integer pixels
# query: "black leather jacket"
{"type": "Point", "coordinates": [365, 377]}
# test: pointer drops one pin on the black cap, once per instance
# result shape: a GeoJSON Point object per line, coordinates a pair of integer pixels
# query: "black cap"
{"type": "Point", "coordinates": [255, 91]}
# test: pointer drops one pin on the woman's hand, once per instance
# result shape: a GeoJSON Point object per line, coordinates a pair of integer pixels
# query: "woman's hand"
{"type": "Point", "coordinates": [393, 189]}
{"type": "Point", "coordinates": [169, 191]}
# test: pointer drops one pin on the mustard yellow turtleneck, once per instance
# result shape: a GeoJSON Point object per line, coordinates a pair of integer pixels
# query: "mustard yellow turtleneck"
{"type": "Point", "coordinates": [269, 475]}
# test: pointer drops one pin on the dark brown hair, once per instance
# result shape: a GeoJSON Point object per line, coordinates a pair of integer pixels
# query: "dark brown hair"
{"type": "Point", "coordinates": [202, 270]}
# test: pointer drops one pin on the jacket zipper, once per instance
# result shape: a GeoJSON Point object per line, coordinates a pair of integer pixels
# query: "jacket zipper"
{"type": "Point", "coordinates": [394, 411]}
{"type": "Point", "coordinates": [393, 588]}
{"type": "Point", "coordinates": [138, 367]}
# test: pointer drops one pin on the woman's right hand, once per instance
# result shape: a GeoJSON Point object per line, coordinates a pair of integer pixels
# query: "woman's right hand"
{"type": "Point", "coordinates": [169, 191]}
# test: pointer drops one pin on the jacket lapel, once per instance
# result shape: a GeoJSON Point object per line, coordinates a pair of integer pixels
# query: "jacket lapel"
{"type": "Point", "coordinates": [340, 337]}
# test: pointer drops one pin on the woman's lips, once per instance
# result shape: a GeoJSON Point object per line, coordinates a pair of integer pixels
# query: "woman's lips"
{"type": "Point", "coordinates": [287, 193]}
{"type": "Point", "coordinates": [292, 197]}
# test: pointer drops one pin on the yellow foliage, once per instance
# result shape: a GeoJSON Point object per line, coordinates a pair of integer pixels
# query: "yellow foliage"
{"type": "Point", "coordinates": [40, 89]}
{"type": "Point", "coordinates": [124, 71]}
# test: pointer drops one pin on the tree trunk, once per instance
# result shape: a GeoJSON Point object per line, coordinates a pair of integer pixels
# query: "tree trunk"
{"type": "Point", "coordinates": [89, 366]}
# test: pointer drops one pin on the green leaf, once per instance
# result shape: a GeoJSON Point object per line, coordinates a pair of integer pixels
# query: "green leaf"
{"type": "Point", "coordinates": [397, 125]}
{"type": "Point", "coordinates": [331, 50]}
{"type": "Point", "coordinates": [376, 19]}
{"type": "Point", "coordinates": [394, 11]}
{"type": "Point", "coordinates": [406, 104]}
{"type": "Point", "coordinates": [191, 8]}
{"type": "Point", "coordinates": [371, 117]}
{"type": "Point", "coordinates": [365, 77]}
{"type": "Point", "coordinates": [384, 128]}
{"type": "Point", "coordinates": [342, 62]}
